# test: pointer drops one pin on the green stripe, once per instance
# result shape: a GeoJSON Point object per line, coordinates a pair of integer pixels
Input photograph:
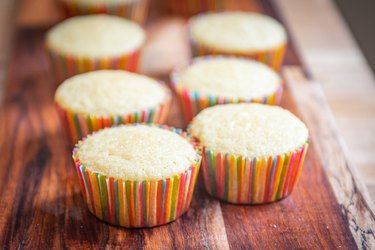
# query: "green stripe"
{"type": "Point", "coordinates": [136, 205]}
{"type": "Point", "coordinates": [150, 115]}
{"type": "Point", "coordinates": [282, 176]}
{"type": "Point", "coordinates": [117, 203]}
{"type": "Point", "coordinates": [78, 128]}
{"type": "Point", "coordinates": [176, 185]}
{"type": "Point", "coordinates": [127, 187]}
{"type": "Point", "coordinates": [119, 119]}
{"type": "Point", "coordinates": [89, 123]}
{"type": "Point", "coordinates": [145, 221]}
{"type": "Point", "coordinates": [103, 195]}
{"type": "Point", "coordinates": [211, 165]}
{"type": "Point", "coordinates": [253, 179]}
{"type": "Point", "coordinates": [239, 159]}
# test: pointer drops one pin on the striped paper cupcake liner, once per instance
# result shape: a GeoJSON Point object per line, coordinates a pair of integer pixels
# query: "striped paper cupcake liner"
{"type": "Point", "coordinates": [243, 180]}
{"type": "Point", "coordinates": [272, 57]}
{"type": "Point", "coordinates": [135, 10]}
{"type": "Point", "coordinates": [137, 203]}
{"type": "Point", "coordinates": [192, 7]}
{"type": "Point", "coordinates": [78, 125]}
{"type": "Point", "coordinates": [192, 102]}
{"type": "Point", "coordinates": [65, 66]}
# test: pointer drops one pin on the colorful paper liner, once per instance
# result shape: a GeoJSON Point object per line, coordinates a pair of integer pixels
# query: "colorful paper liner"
{"type": "Point", "coordinates": [78, 126]}
{"type": "Point", "coordinates": [272, 57]}
{"type": "Point", "coordinates": [137, 203]}
{"type": "Point", "coordinates": [65, 65]}
{"type": "Point", "coordinates": [243, 180]}
{"type": "Point", "coordinates": [135, 10]}
{"type": "Point", "coordinates": [192, 102]}
{"type": "Point", "coordinates": [192, 7]}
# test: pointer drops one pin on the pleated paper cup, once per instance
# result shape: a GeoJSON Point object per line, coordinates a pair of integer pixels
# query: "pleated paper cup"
{"type": "Point", "coordinates": [67, 65]}
{"type": "Point", "coordinates": [92, 42]}
{"type": "Point", "coordinates": [78, 125]}
{"type": "Point", "coordinates": [134, 204]}
{"type": "Point", "coordinates": [192, 7]}
{"type": "Point", "coordinates": [251, 153]}
{"type": "Point", "coordinates": [192, 102]}
{"type": "Point", "coordinates": [272, 57]}
{"type": "Point", "coordinates": [135, 10]}
{"type": "Point", "coordinates": [243, 180]}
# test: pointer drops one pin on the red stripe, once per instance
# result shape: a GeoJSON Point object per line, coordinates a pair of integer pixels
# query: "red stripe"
{"type": "Point", "coordinates": [159, 203]}
{"type": "Point", "coordinates": [288, 176]}
{"type": "Point", "coordinates": [181, 193]}
{"type": "Point", "coordinates": [190, 191]}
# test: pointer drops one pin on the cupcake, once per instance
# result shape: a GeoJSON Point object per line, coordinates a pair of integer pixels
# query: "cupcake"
{"type": "Point", "coordinates": [94, 100]}
{"type": "Point", "coordinates": [192, 7]}
{"type": "Point", "coordinates": [241, 34]}
{"type": "Point", "coordinates": [135, 10]}
{"type": "Point", "coordinates": [137, 176]}
{"type": "Point", "coordinates": [252, 153]}
{"type": "Point", "coordinates": [208, 81]}
{"type": "Point", "coordinates": [93, 42]}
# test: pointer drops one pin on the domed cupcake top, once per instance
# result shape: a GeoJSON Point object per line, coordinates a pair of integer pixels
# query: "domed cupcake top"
{"type": "Point", "coordinates": [229, 77]}
{"type": "Point", "coordinates": [95, 36]}
{"type": "Point", "coordinates": [110, 92]}
{"type": "Point", "coordinates": [248, 129]}
{"type": "Point", "coordinates": [237, 31]}
{"type": "Point", "coordinates": [136, 153]}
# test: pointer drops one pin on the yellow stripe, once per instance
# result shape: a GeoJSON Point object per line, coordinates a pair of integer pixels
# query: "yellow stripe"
{"type": "Point", "coordinates": [96, 194]}
{"type": "Point", "coordinates": [277, 176]}
{"type": "Point", "coordinates": [259, 165]}
{"type": "Point", "coordinates": [95, 124]}
{"type": "Point", "coordinates": [123, 61]}
{"type": "Point", "coordinates": [233, 183]}
{"type": "Point", "coordinates": [126, 205]}
{"type": "Point", "coordinates": [246, 182]}
{"type": "Point", "coordinates": [120, 189]}
{"type": "Point", "coordinates": [242, 180]}
{"type": "Point", "coordinates": [169, 201]}
{"type": "Point", "coordinates": [262, 179]}
{"type": "Point", "coordinates": [147, 203]}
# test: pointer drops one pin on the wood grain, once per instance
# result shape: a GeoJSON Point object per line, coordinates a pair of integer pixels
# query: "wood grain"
{"type": "Point", "coordinates": [351, 194]}
{"type": "Point", "coordinates": [41, 204]}
{"type": "Point", "coordinates": [337, 64]}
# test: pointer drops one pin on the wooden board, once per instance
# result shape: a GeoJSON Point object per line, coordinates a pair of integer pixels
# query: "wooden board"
{"type": "Point", "coordinates": [41, 202]}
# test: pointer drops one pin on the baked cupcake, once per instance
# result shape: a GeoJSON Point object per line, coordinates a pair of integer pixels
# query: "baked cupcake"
{"type": "Point", "coordinates": [137, 176]}
{"type": "Point", "coordinates": [192, 7]}
{"type": "Point", "coordinates": [135, 10]}
{"type": "Point", "coordinates": [94, 100]}
{"type": "Point", "coordinates": [93, 42]}
{"type": "Point", "coordinates": [252, 153]}
{"type": "Point", "coordinates": [243, 34]}
{"type": "Point", "coordinates": [208, 81]}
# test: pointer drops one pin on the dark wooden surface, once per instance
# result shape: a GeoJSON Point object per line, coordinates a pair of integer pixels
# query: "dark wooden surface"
{"type": "Point", "coordinates": [41, 204]}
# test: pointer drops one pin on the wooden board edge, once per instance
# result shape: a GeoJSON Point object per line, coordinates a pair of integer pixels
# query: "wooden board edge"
{"type": "Point", "coordinates": [351, 193]}
{"type": "Point", "coordinates": [8, 10]}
